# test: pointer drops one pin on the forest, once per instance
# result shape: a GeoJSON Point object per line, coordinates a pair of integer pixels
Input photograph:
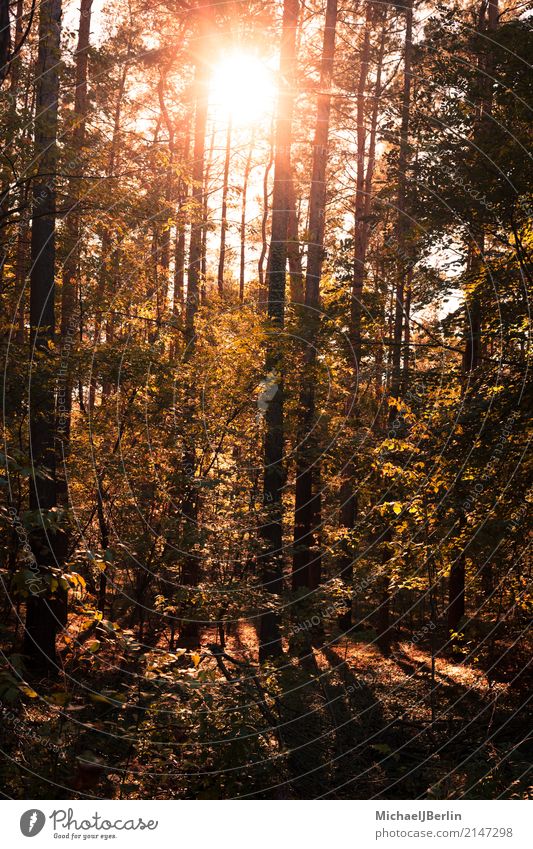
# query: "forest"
{"type": "Point", "coordinates": [265, 269]}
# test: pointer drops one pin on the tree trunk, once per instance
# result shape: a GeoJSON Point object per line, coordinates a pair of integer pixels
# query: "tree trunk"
{"type": "Point", "coordinates": [21, 263]}
{"type": "Point", "coordinates": [472, 353]}
{"type": "Point", "coordinates": [70, 276]}
{"type": "Point", "coordinates": [306, 556]}
{"type": "Point", "coordinates": [205, 216]}
{"type": "Point", "coordinates": [10, 64]}
{"type": "Point", "coordinates": [402, 225]}
{"type": "Point", "coordinates": [246, 177]}
{"type": "Point", "coordinates": [403, 267]}
{"type": "Point", "coordinates": [189, 634]}
{"type": "Point", "coordinates": [264, 220]}
{"type": "Point", "coordinates": [163, 230]}
{"type": "Point", "coordinates": [272, 556]}
{"type": "Point", "coordinates": [293, 250]}
{"type": "Point", "coordinates": [363, 192]}
{"type": "Point", "coordinates": [407, 329]}
{"type": "Point", "coordinates": [488, 21]}
{"type": "Point", "coordinates": [224, 221]}
{"type": "Point", "coordinates": [179, 250]}
{"type": "Point", "coordinates": [456, 590]}
{"type": "Point", "coordinates": [105, 250]}
{"type": "Point", "coordinates": [359, 225]}
{"type": "Point", "coordinates": [5, 39]}
{"type": "Point", "coordinates": [45, 614]}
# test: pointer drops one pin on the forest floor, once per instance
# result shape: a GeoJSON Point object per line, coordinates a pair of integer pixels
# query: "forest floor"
{"type": "Point", "coordinates": [394, 727]}
{"type": "Point", "coordinates": [347, 722]}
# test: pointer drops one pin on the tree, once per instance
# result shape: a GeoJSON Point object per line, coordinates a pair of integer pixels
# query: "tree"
{"type": "Point", "coordinates": [224, 221]}
{"type": "Point", "coordinates": [272, 557]}
{"type": "Point", "coordinates": [46, 605]}
{"type": "Point", "coordinates": [242, 255]}
{"type": "Point", "coordinates": [365, 165]}
{"type": "Point", "coordinates": [70, 278]}
{"type": "Point", "coordinates": [189, 508]}
{"type": "Point", "coordinates": [306, 558]}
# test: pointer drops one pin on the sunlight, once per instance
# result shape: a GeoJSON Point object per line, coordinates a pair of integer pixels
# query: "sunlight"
{"type": "Point", "coordinates": [242, 87]}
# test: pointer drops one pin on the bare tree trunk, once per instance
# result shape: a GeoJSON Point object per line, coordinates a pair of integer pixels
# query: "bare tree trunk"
{"type": "Point", "coordinates": [402, 225]}
{"type": "Point", "coordinates": [10, 64]}
{"type": "Point", "coordinates": [105, 249]}
{"type": "Point", "coordinates": [70, 276]}
{"type": "Point", "coordinates": [45, 611]}
{"type": "Point", "coordinates": [488, 21]}
{"type": "Point", "coordinates": [264, 221]}
{"type": "Point", "coordinates": [163, 233]}
{"type": "Point", "coordinates": [306, 557]}
{"type": "Point", "coordinates": [205, 216]}
{"type": "Point", "coordinates": [363, 193]}
{"type": "Point", "coordinates": [294, 255]}
{"type": "Point", "coordinates": [104, 542]}
{"type": "Point", "coordinates": [5, 39]}
{"type": "Point", "coordinates": [273, 479]}
{"type": "Point", "coordinates": [403, 266]}
{"type": "Point", "coordinates": [190, 635]}
{"type": "Point", "coordinates": [179, 261]}
{"type": "Point", "coordinates": [456, 592]}
{"type": "Point", "coordinates": [224, 221]}
{"type": "Point", "coordinates": [472, 354]}
{"type": "Point", "coordinates": [407, 329]}
{"type": "Point", "coordinates": [21, 271]}
{"type": "Point", "coordinates": [246, 177]}
{"type": "Point", "coordinates": [359, 225]}
{"type": "Point", "coordinates": [179, 250]}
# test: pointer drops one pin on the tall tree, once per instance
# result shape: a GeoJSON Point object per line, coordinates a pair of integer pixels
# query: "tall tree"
{"type": "Point", "coordinates": [264, 222]}
{"type": "Point", "coordinates": [73, 231]}
{"type": "Point", "coordinates": [294, 254]}
{"type": "Point", "coordinates": [191, 565]}
{"type": "Point", "coordinates": [224, 215]}
{"type": "Point", "coordinates": [45, 612]}
{"type": "Point", "coordinates": [244, 199]}
{"type": "Point", "coordinates": [402, 219]}
{"type": "Point", "coordinates": [487, 26]}
{"type": "Point", "coordinates": [181, 226]}
{"type": "Point", "coordinates": [403, 270]}
{"type": "Point", "coordinates": [5, 39]}
{"type": "Point", "coordinates": [108, 258]}
{"type": "Point", "coordinates": [306, 557]}
{"type": "Point", "coordinates": [362, 205]}
{"type": "Point", "coordinates": [273, 479]}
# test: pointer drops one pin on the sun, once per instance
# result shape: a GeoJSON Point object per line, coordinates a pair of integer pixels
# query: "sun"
{"type": "Point", "coordinates": [242, 88]}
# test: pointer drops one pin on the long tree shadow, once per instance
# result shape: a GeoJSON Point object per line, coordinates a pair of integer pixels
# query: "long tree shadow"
{"type": "Point", "coordinates": [325, 717]}
{"type": "Point", "coordinates": [358, 720]}
{"type": "Point", "coordinates": [417, 751]}
{"type": "Point", "coordinates": [304, 728]}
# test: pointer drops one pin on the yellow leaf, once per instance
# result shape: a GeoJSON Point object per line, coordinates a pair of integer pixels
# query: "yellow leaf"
{"type": "Point", "coordinates": [195, 658]}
